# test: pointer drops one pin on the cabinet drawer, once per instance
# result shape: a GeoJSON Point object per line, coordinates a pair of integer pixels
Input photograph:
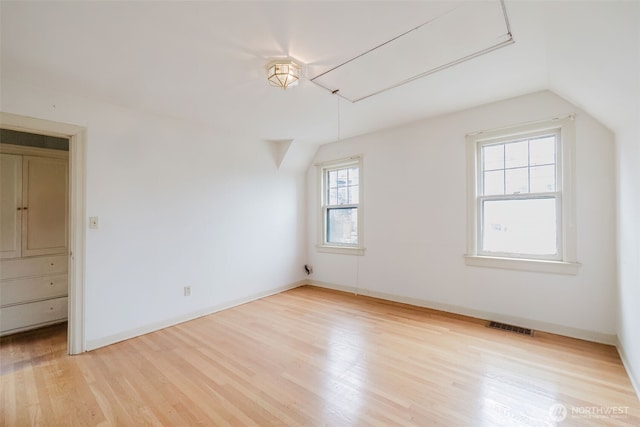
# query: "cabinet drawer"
{"type": "Point", "coordinates": [34, 313]}
{"type": "Point", "coordinates": [15, 291]}
{"type": "Point", "coordinates": [35, 266]}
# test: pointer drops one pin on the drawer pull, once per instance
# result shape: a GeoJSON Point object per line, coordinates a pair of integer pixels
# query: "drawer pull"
{"type": "Point", "coordinates": [51, 284]}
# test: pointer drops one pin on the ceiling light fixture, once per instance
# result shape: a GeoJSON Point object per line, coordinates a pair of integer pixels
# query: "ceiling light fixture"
{"type": "Point", "coordinates": [283, 74]}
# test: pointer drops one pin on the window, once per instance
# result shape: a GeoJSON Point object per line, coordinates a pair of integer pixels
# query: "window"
{"type": "Point", "coordinates": [521, 198]}
{"type": "Point", "coordinates": [341, 190]}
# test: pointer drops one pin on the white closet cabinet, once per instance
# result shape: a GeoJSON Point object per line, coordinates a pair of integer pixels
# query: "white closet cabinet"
{"type": "Point", "coordinates": [33, 237]}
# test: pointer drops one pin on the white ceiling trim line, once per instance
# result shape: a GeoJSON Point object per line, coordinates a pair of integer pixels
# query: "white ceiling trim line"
{"type": "Point", "coordinates": [461, 33]}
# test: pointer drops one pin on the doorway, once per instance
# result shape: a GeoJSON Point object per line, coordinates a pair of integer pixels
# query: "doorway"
{"type": "Point", "coordinates": [76, 231]}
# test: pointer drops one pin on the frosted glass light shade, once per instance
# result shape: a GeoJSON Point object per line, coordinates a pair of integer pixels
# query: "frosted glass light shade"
{"type": "Point", "coordinates": [283, 74]}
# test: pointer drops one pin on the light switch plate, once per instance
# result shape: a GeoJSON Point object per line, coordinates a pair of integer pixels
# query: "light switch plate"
{"type": "Point", "coordinates": [93, 222]}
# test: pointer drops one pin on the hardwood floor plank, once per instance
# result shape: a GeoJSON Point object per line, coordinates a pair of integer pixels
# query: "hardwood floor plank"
{"type": "Point", "coordinates": [315, 357]}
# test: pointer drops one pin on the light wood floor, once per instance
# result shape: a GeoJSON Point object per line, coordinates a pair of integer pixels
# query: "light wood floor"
{"type": "Point", "coordinates": [313, 357]}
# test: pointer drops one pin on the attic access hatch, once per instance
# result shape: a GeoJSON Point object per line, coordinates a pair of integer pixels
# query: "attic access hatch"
{"type": "Point", "coordinates": [455, 33]}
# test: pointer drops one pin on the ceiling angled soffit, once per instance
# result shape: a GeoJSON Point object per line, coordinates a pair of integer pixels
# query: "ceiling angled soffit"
{"type": "Point", "coordinates": [457, 33]}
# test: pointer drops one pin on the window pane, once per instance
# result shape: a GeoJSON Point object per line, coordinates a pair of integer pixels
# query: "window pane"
{"type": "Point", "coordinates": [333, 196]}
{"type": "Point", "coordinates": [493, 157]}
{"type": "Point", "coordinates": [543, 150]}
{"type": "Point", "coordinates": [543, 179]}
{"type": "Point", "coordinates": [353, 195]}
{"type": "Point", "coordinates": [526, 227]}
{"type": "Point", "coordinates": [494, 183]}
{"type": "Point", "coordinates": [516, 154]}
{"type": "Point", "coordinates": [353, 176]}
{"type": "Point", "coordinates": [342, 176]}
{"type": "Point", "coordinates": [517, 181]}
{"type": "Point", "coordinates": [333, 179]}
{"type": "Point", "coordinates": [343, 196]}
{"type": "Point", "coordinates": [342, 226]}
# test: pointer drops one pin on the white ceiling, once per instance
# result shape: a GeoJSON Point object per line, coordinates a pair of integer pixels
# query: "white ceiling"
{"type": "Point", "coordinates": [205, 61]}
{"type": "Point", "coordinates": [453, 34]}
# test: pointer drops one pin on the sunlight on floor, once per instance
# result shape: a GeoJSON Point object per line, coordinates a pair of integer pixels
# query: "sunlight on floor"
{"type": "Point", "coordinates": [346, 370]}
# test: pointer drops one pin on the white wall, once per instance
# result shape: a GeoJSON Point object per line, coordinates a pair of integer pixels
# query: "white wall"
{"type": "Point", "coordinates": [608, 88]}
{"type": "Point", "coordinates": [628, 174]}
{"type": "Point", "coordinates": [415, 224]}
{"type": "Point", "coordinates": [179, 204]}
{"type": "Point", "coordinates": [628, 162]}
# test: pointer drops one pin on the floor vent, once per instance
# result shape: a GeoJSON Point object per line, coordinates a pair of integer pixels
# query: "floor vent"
{"type": "Point", "coordinates": [510, 328]}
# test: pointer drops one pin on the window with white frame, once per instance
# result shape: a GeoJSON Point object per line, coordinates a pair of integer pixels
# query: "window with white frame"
{"type": "Point", "coordinates": [341, 213]}
{"type": "Point", "coordinates": [521, 210]}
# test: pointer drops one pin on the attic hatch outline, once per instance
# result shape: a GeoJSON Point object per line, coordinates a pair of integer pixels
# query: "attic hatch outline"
{"type": "Point", "coordinates": [502, 40]}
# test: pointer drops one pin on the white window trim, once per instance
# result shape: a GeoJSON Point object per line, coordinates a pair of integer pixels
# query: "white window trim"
{"type": "Point", "coordinates": [322, 245]}
{"type": "Point", "coordinates": [567, 263]}
{"type": "Point", "coordinates": [557, 195]}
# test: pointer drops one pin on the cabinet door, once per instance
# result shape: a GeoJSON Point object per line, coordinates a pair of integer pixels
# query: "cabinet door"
{"type": "Point", "coordinates": [11, 201]}
{"type": "Point", "coordinates": [45, 205]}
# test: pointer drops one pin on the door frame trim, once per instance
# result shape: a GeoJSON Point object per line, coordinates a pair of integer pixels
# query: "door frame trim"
{"type": "Point", "coordinates": [77, 208]}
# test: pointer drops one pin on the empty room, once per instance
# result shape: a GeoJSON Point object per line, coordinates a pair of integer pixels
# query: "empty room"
{"type": "Point", "coordinates": [320, 213]}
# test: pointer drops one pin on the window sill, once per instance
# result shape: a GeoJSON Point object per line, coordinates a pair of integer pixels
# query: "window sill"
{"type": "Point", "coordinates": [344, 250]}
{"type": "Point", "coordinates": [535, 265]}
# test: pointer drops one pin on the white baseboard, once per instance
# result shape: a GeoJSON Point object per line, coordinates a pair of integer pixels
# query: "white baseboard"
{"type": "Point", "coordinates": [567, 331]}
{"type": "Point", "coordinates": [136, 332]}
{"type": "Point", "coordinates": [635, 380]}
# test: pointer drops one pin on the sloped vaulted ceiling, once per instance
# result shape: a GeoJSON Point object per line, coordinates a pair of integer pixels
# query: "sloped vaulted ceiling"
{"type": "Point", "coordinates": [204, 61]}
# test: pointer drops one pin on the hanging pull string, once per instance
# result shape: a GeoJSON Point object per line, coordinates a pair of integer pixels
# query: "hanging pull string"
{"type": "Point", "coordinates": [357, 275]}
{"type": "Point", "coordinates": [335, 92]}
{"type": "Point", "coordinates": [356, 290]}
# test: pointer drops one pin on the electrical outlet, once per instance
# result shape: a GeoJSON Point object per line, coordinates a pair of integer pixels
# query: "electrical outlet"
{"type": "Point", "coordinates": [187, 291]}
